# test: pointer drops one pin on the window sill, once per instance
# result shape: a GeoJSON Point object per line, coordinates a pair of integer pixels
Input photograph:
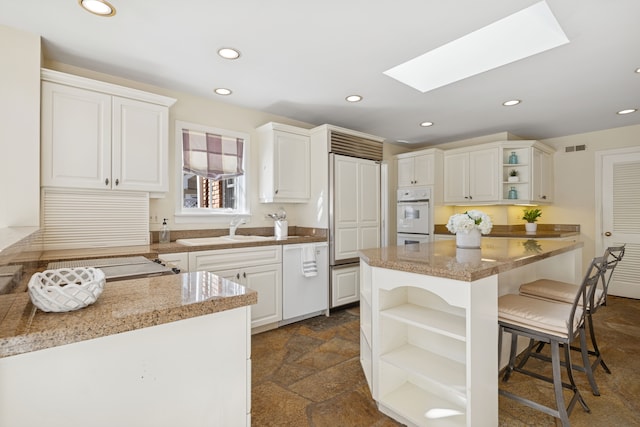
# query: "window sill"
{"type": "Point", "coordinates": [219, 218]}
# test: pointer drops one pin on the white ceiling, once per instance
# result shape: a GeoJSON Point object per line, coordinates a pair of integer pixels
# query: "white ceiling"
{"type": "Point", "coordinates": [301, 58]}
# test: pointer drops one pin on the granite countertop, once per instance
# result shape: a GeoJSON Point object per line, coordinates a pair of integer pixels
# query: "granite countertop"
{"type": "Point", "coordinates": [443, 259]}
{"type": "Point", "coordinates": [544, 231]}
{"type": "Point", "coordinates": [123, 306]}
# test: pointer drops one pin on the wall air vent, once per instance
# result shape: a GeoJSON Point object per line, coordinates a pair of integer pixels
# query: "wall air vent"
{"type": "Point", "coordinates": [355, 146]}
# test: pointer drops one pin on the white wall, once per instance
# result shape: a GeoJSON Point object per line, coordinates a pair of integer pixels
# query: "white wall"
{"type": "Point", "coordinates": [19, 128]}
{"type": "Point", "coordinates": [575, 179]}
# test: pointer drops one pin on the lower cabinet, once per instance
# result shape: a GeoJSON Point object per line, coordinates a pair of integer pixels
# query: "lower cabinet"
{"type": "Point", "coordinates": [345, 285]}
{"type": "Point", "coordinates": [259, 268]}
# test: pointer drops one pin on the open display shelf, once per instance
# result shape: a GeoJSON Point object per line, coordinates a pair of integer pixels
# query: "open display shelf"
{"type": "Point", "coordinates": [415, 403]}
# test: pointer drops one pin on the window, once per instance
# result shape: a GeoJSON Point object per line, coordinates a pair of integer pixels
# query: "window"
{"type": "Point", "coordinates": [211, 164]}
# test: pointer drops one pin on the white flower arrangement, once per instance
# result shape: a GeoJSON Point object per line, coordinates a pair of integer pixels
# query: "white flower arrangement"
{"type": "Point", "coordinates": [469, 220]}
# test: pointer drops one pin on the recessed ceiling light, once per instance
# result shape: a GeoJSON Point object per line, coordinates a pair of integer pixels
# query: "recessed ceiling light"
{"type": "Point", "coordinates": [523, 34]}
{"type": "Point", "coordinates": [354, 98]}
{"type": "Point", "coordinates": [638, 70]}
{"type": "Point", "coordinates": [228, 53]}
{"type": "Point", "coordinates": [627, 111]}
{"type": "Point", "coordinates": [222, 91]}
{"type": "Point", "coordinates": [426, 124]}
{"type": "Point", "coordinates": [98, 7]}
{"type": "Point", "coordinates": [511, 102]}
{"type": "Point", "coordinates": [403, 141]}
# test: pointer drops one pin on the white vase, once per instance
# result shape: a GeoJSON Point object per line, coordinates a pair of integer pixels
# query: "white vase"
{"type": "Point", "coordinates": [531, 227]}
{"type": "Point", "coordinates": [469, 240]}
{"type": "Point", "coordinates": [468, 256]}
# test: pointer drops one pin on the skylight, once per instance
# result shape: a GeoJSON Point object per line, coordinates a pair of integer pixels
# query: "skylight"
{"type": "Point", "coordinates": [520, 35]}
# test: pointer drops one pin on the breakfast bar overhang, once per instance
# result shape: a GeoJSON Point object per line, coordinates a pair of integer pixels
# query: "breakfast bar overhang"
{"type": "Point", "coordinates": [429, 323]}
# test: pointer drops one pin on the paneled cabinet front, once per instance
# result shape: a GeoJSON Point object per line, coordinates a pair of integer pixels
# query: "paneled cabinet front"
{"type": "Point", "coordinates": [472, 176]}
{"type": "Point", "coordinates": [284, 164]}
{"type": "Point", "coordinates": [416, 170]}
{"type": "Point", "coordinates": [94, 139]}
{"type": "Point", "coordinates": [258, 268]}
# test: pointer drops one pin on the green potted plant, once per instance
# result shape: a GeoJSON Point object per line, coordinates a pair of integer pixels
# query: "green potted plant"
{"type": "Point", "coordinates": [513, 176]}
{"type": "Point", "coordinates": [531, 216]}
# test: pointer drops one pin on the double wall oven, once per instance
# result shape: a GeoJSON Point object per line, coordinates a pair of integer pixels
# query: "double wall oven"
{"type": "Point", "coordinates": [413, 216]}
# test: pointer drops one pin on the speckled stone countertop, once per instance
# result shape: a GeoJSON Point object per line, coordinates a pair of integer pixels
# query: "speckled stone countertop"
{"type": "Point", "coordinates": [544, 231]}
{"type": "Point", "coordinates": [123, 306]}
{"type": "Point", "coordinates": [443, 259]}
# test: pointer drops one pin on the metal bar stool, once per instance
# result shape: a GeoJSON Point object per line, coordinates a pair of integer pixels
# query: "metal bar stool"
{"type": "Point", "coordinates": [565, 292]}
{"type": "Point", "coordinates": [556, 324]}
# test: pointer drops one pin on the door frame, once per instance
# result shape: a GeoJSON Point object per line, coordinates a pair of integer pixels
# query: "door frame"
{"type": "Point", "coordinates": [599, 157]}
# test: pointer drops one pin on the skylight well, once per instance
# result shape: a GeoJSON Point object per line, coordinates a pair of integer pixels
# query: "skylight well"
{"type": "Point", "coordinates": [520, 35]}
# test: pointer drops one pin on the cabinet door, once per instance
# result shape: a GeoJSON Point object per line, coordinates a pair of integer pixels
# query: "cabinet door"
{"type": "Point", "coordinates": [485, 173]}
{"type": "Point", "coordinates": [345, 285]}
{"type": "Point", "coordinates": [368, 205]}
{"type": "Point", "coordinates": [542, 176]}
{"type": "Point", "coordinates": [405, 172]}
{"type": "Point", "coordinates": [345, 210]}
{"type": "Point", "coordinates": [291, 174]}
{"type": "Point", "coordinates": [423, 169]}
{"type": "Point", "coordinates": [140, 146]}
{"type": "Point", "coordinates": [456, 178]}
{"type": "Point", "coordinates": [76, 137]}
{"type": "Point", "coordinates": [267, 281]}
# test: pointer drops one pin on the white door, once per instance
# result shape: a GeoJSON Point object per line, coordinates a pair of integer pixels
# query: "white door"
{"type": "Point", "coordinates": [456, 177]}
{"type": "Point", "coordinates": [345, 214]}
{"type": "Point", "coordinates": [267, 281]}
{"type": "Point", "coordinates": [620, 200]}
{"type": "Point", "coordinates": [484, 175]}
{"type": "Point", "coordinates": [368, 204]}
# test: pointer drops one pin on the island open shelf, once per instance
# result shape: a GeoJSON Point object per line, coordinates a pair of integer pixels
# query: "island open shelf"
{"type": "Point", "coordinates": [429, 323]}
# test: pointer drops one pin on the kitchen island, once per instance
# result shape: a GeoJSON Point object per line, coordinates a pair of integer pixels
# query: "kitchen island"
{"type": "Point", "coordinates": [429, 324]}
{"type": "Point", "coordinates": [159, 351]}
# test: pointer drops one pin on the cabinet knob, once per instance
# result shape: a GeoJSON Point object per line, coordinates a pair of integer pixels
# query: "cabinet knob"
{"type": "Point", "coordinates": [238, 276]}
{"type": "Point", "coordinates": [608, 234]}
{"type": "Point", "coordinates": [543, 197]}
{"type": "Point", "coordinates": [106, 181]}
{"type": "Point", "coordinates": [117, 182]}
{"type": "Point", "coordinates": [244, 274]}
{"type": "Point", "coordinates": [276, 191]}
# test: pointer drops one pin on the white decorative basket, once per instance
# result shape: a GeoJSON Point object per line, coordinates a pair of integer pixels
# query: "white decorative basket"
{"type": "Point", "coordinates": [66, 289]}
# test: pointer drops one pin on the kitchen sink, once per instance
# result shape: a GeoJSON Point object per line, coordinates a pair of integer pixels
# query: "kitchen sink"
{"type": "Point", "coordinates": [221, 240]}
{"type": "Point", "coordinates": [245, 238]}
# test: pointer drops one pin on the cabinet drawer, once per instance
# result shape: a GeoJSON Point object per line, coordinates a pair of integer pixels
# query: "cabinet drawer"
{"type": "Point", "coordinates": [224, 259]}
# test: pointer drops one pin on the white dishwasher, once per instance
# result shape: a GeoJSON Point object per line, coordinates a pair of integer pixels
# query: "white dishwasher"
{"type": "Point", "coordinates": [305, 280]}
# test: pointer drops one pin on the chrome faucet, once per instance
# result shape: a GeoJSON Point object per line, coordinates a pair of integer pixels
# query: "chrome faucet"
{"type": "Point", "coordinates": [234, 224]}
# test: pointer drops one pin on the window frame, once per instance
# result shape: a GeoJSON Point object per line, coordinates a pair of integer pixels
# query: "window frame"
{"type": "Point", "coordinates": [211, 215]}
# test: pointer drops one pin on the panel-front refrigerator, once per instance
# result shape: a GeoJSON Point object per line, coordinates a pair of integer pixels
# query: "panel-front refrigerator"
{"type": "Point", "coordinates": [354, 222]}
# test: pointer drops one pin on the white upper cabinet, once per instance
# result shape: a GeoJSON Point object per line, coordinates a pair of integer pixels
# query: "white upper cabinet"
{"type": "Point", "coordinates": [511, 172]}
{"type": "Point", "coordinates": [542, 176]}
{"type": "Point", "coordinates": [415, 169]}
{"type": "Point", "coordinates": [101, 136]}
{"type": "Point", "coordinates": [284, 164]}
{"type": "Point", "coordinates": [472, 175]}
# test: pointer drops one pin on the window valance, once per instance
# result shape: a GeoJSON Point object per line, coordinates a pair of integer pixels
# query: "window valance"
{"type": "Point", "coordinates": [213, 156]}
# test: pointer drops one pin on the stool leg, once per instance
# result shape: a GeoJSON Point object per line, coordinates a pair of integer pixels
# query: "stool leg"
{"type": "Point", "coordinates": [512, 357]}
{"type": "Point", "coordinates": [596, 350]}
{"type": "Point", "coordinates": [587, 364]}
{"type": "Point", "coordinates": [557, 384]}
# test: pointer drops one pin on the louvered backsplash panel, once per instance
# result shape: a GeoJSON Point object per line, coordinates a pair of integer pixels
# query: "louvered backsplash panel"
{"type": "Point", "coordinates": [355, 146]}
{"type": "Point", "coordinates": [74, 219]}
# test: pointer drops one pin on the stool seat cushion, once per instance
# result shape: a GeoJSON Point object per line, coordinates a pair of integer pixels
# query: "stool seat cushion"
{"type": "Point", "coordinates": [548, 317]}
{"type": "Point", "coordinates": [554, 290]}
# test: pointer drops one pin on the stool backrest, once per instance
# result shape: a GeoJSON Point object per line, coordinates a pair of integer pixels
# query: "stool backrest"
{"type": "Point", "coordinates": [595, 273]}
{"type": "Point", "coordinates": [613, 255]}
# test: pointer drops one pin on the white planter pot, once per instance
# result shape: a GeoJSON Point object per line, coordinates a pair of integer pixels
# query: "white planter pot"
{"type": "Point", "coordinates": [470, 240]}
{"type": "Point", "coordinates": [531, 227]}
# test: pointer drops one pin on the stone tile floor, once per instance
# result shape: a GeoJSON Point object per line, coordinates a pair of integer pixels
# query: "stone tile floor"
{"type": "Point", "coordinates": [309, 374]}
